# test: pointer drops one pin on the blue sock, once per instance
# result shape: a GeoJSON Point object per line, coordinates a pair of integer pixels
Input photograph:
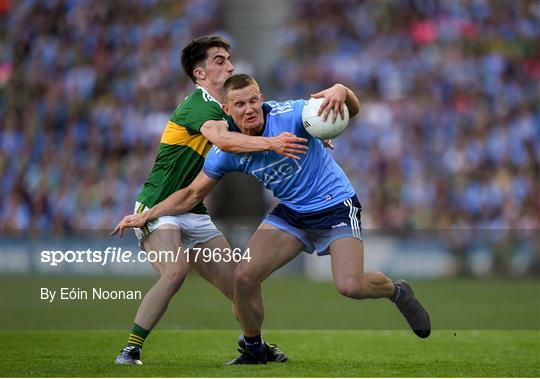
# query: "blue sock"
{"type": "Point", "coordinates": [254, 344]}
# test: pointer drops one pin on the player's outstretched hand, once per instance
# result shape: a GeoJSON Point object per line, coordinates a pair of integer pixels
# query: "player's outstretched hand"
{"type": "Point", "coordinates": [130, 221]}
{"type": "Point", "coordinates": [289, 145]}
{"type": "Point", "coordinates": [334, 98]}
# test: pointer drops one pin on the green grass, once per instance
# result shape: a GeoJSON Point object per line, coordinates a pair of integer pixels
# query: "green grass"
{"type": "Point", "coordinates": [312, 353]}
{"type": "Point", "coordinates": [484, 328]}
{"type": "Point", "coordinates": [291, 304]}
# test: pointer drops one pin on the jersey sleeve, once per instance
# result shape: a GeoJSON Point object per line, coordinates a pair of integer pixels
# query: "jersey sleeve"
{"type": "Point", "coordinates": [193, 114]}
{"type": "Point", "coordinates": [218, 163]}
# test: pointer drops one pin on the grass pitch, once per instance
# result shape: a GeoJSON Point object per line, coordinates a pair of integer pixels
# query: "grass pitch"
{"type": "Point", "coordinates": [312, 353]}
{"type": "Point", "coordinates": [481, 328]}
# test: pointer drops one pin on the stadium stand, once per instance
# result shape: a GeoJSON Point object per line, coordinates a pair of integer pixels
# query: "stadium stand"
{"type": "Point", "coordinates": [448, 137]}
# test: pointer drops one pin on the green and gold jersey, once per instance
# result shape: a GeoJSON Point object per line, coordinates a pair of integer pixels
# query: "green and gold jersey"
{"type": "Point", "coordinates": [182, 149]}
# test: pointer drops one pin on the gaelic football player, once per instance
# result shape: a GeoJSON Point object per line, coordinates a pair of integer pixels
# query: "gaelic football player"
{"type": "Point", "coordinates": [319, 212]}
{"type": "Point", "coordinates": [195, 125]}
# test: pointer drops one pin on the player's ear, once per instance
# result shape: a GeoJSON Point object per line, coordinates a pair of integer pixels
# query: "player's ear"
{"type": "Point", "coordinates": [199, 73]}
{"type": "Point", "coordinates": [225, 109]}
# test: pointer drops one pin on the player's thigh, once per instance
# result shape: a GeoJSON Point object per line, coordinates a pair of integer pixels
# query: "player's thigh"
{"type": "Point", "coordinates": [269, 249]}
{"type": "Point", "coordinates": [219, 270]}
{"type": "Point", "coordinates": [347, 256]}
{"type": "Point", "coordinates": [167, 256]}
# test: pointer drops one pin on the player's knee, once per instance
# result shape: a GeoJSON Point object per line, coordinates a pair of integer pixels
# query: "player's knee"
{"type": "Point", "coordinates": [351, 287]}
{"type": "Point", "coordinates": [173, 278]}
{"type": "Point", "coordinates": [245, 278]}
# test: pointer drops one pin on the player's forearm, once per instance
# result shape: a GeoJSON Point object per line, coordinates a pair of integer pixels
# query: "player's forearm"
{"type": "Point", "coordinates": [352, 103]}
{"type": "Point", "coordinates": [179, 202]}
{"type": "Point", "coordinates": [232, 142]}
{"type": "Point", "coordinates": [239, 143]}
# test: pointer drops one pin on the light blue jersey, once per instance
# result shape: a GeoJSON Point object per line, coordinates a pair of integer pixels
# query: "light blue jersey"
{"type": "Point", "coordinates": [314, 182]}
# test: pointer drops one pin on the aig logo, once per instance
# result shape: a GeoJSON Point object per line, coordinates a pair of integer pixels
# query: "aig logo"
{"type": "Point", "coordinates": [277, 172]}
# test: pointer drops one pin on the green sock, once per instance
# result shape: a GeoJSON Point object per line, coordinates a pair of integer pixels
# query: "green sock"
{"type": "Point", "coordinates": [137, 336]}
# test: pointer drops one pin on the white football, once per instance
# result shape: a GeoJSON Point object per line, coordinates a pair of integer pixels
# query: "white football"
{"type": "Point", "coordinates": [318, 128]}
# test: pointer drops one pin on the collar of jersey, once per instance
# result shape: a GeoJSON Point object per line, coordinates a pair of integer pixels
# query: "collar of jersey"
{"type": "Point", "coordinates": [208, 93]}
{"type": "Point", "coordinates": [266, 109]}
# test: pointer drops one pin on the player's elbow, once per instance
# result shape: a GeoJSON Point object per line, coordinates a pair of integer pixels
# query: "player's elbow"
{"type": "Point", "coordinates": [219, 136]}
{"type": "Point", "coordinates": [353, 105]}
{"type": "Point", "coordinates": [353, 110]}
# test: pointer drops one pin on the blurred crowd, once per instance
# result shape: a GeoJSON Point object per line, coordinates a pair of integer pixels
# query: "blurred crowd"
{"type": "Point", "coordinates": [448, 136]}
{"type": "Point", "coordinates": [450, 124]}
{"type": "Point", "coordinates": [87, 89]}
{"type": "Point", "coordinates": [449, 132]}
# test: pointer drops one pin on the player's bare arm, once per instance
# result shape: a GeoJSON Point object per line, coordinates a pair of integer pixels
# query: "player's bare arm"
{"type": "Point", "coordinates": [179, 202]}
{"type": "Point", "coordinates": [334, 98]}
{"type": "Point", "coordinates": [286, 144]}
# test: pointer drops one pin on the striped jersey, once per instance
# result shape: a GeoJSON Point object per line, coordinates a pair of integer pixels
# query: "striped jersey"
{"type": "Point", "coordinates": [182, 149]}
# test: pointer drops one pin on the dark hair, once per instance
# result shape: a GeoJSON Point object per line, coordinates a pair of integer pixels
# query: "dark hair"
{"type": "Point", "coordinates": [237, 81]}
{"type": "Point", "coordinates": [196, 52]}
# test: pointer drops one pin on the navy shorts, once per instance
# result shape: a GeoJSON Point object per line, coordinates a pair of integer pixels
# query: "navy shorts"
{"type": "Point", "coordinates": [317, 230]}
